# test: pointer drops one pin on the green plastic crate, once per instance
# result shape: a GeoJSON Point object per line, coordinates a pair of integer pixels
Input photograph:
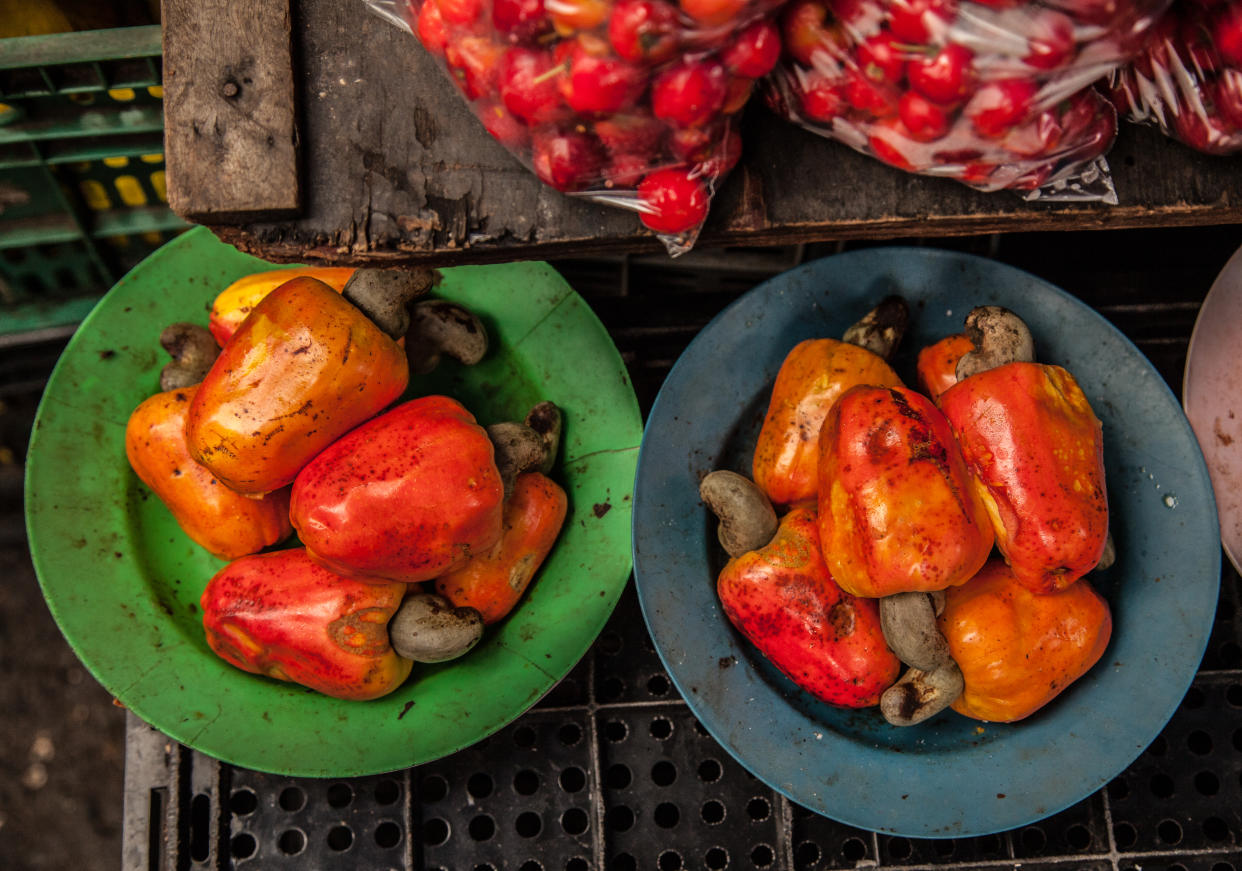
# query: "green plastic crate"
{"type": "Point", "coordinates": [82, 195]}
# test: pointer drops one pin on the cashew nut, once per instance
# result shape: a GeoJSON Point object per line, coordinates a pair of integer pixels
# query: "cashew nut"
{"type": "Point", "coordinates": [881, 329]}
{"type": "Point", "coordinates": [384, 294]}
{"type": "Point", "coordinates": [427, 628]}
{"type": "Point", "coordinates": [1110, 553]}
{"type": "Point", "coordinates": [747, 519]}
{"type": "Point", "coordinates": [909, 624]}
{"type": "Point", "coordinates": [999, 336]}
{"type": "Point", "coordinates": [193, 350]}
{"type": "Point", "coordinates": [437, 328]}
{"type": "Point", "coordinates": [546, 419]}
{"type": "Point", "coordinates": [919, 694]}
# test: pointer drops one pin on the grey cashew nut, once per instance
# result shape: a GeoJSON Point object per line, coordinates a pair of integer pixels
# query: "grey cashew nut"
{"type": "Point", "coordinates": [919, 695]}
{"type": "Point", "coordinates": [1109, 556]}
{"type": "Point", "coordinates": [427, 628]}
{"type": "Point", "coordinates": [747, 519]}
{"type": "Point", "coordinates": [908, 621]}
{"type": "Point", "coordinates": [384, 295]}
{"type": "Point", "coordinates": [531, 444]}
{"type": "Point", "coordinates": [999, 337]}
{"type": "Point", "coordinates": [439, 328]}
{"type": "Point", "coordinates": [881, 329]}
{"type": "Point", "coordinates": [193, 349]}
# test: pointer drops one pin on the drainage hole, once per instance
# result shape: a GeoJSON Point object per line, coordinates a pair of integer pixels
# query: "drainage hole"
{"type": "Point", "coordinates": [1233, 695]}
{"type": "Point", "coordinates": [573, 779]}
{"type": "Point", "coordinates": [1034, 839]}
{"type": "Point", "coordinates": [1078, 837]}
{"type": "Point", "coordinates": [526, 782]}
{"type": "Point", "coordinates": [853, 850]}
{"type": "Point", "coordinates": [1199, 742]}
{"type": "Point", "coordinates": [387, 835]}
{"type": "Point", "coordinates": [615, 730]}
{"type": "Point", "coordinates": [524, 736]}
{"type": "Point", "coordinates": [758, 808]}
{"type": "Point", "coordinates": [482, 827]}
{"type": "Point", "coordinates": [610, 643]}
{"type": "Point", "coordinates": [709, 771]}
{"type": "Point", "coordinates": [717, 858]}
{"type": "Point", "coordinates": [570, 734]}
{"type": "Point", "coordinates": [670, 860]}
{"type": "Point", "coordinates": [577, 863]}
{"type": "Point", "coordinates": [433, 788]}
{"type": "Point", "coordinates": [243, 802]}
{"type": "Point", "coordinates": [479, 785]}
{"type": "Point", "coordinates": [242, 846]}
{"type": "Point", "coordinates": [618, 776]}
{"type": "Point", "coordinates": [713, 812]}
{"type": "Point", "coordinates": [620, 818]}
{"type": "Point", "coordinates": [1158, 747]}
{"type": "Point", "coordinates": [1194, 699]}
{"type": "Point", "coordinates": [1118, 790]}
{"type": "Point", "coordinates": [1161, 785]}
{"type": "Point", "coordinates": [340, 838]}
{"type": "Point", "coordinates": [435, 832]}
{"type": "Point", "coordinates": [899, 848]}
{"type": "Point", "coordinates": [666, 815]}
{"type": "Point", "coordinates": [661, 728]}
{"type": "Point", "coordinates": [291, 842]}
{"type": "Point", "coordinates": [574, 821]}
{"type": "Point", "coordinates": [528, 824]}
{"type": "Point", "coordinates": [387, 792]}
{"type": "Point", "coordinates": [1206, 783]}
{"type": "Point", "coordinates": [340, 795]}
{"type": "Point", "coordinates": [1125, 834]}
{"type": "Point", "coordinates": [663, 773]}
{"type": "Point", "coordinates": [945, 847]}
{"type": "Point", "coordinates": [1170, 832]}
{"type": "Point", "coordinates": [762, 855]}
{"type": "Point", "coordinates": [657, 685]}
{"type": "Point", "coordinates": [1216, 829]}
{"type": "Point", "coordinates": [530, 865]}
{"type": "Point", "coordinates": [806, 855]}
{"type": "Point", "coordinates": [623, 862]}
{"type": "Point", "coordinates": [610, 689]}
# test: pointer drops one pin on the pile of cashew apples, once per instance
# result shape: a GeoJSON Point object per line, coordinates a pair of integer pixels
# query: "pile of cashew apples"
{"type": "Point", "coordinates": [297, 410]}
{"type": "Point", "coordinates": [921, 549]}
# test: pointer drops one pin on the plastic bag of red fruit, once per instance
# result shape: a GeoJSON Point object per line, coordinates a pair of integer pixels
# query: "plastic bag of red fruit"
{"type": "Point", "coordinates": [994, 93]}
{"type": "Point", "coordinates": [1188, 78]}
{"type": "Point", "coordinates": [628, 102]}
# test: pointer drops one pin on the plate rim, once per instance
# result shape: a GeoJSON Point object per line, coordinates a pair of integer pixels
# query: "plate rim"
{"type": "Point", "coordinates": [688, 692]}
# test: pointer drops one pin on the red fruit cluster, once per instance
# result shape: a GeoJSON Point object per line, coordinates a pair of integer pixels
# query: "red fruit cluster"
{"type": "Point", "coordinates": [994, 93]}
{"type": "Point", "coordinates": [612, 97]}
{"type": "Point", "coordinates": [1188, 78]}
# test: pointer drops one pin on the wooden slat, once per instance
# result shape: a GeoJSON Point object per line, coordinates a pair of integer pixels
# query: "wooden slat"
{"type": "Point", "coordinates": [231, 137]}
{"type": "Point", "coordinates": [398, 169]}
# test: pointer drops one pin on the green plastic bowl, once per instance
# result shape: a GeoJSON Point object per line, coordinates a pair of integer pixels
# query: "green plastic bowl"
{"type": "Point", "coordinates": [123, 582]}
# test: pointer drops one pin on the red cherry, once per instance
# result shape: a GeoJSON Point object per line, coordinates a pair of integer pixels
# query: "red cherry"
{"type": "Point", "coordinates": [1227, 34]}
{"type": "Point", "coordinates": [812, 35]}
{"type": "Point", "coordinates": [879, 60]}
{"type": "Point", "coordinates": [674, 202]}
{"type": "Point", "coordinates": [644, 31]}
{"type": "Point", "coordinates": [430, 28]}
{"type": "Point", "coordinates": [999, 105]}
{"type": "Point", "coordinates": [714, 12]}
{"type": "Point", "coordinates": [522, 19]}
{"type": "Point", "coordinates": [823, 98]}
{"type": "Point", "coordinates": [690, 145]}
{"type": "Point", "coordinates": [599, 82]}
{"type": "Point", "coordinates": [851, 11]}
{"type": "Point", "coordinates": [459, 12]}
{"type": "Point", "coordinates": [631, 134]}
{"type": "Point", "coordinates": [873, 98]}
{"type": "Point", "coordinates": [689, 93]}
{"type": "Point", "coordinates": [568, 160]}
{"type": "Point", "coordinates": [1227, 95]}
{"type": "Point", "coordinates": [890, 141]}
{"type": "Point", "coordinates": [753, 52]}
{"type": "Point", "coordinates": [738, 95]}
{"type": "Point", "coordinates": [1036, 137]}
{"type": "Point", "coordinates": [625, 171]}
{"type": "Point", "coordinates": [473, 61]}
{"type": "Point", "coordinates": [724, 155]}
{"type": "Point", "coordinates": [919, 21]}
{"type": "Point", "coordinates": [570, 16]}
{"type": "Point", "coordinates": [504, 126]}
{"type": "Point", "coordinates": [925, 121]}
{"type": "Point", "coordinates": [1050, 39]}
{"type": "Point", "coordinates": [946, 77]}
{"type": "Point", "coordinates": [528, 86]}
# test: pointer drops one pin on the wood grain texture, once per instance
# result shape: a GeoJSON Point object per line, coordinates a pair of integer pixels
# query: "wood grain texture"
{"type": "Point", "coordinates": [230, 125]}
{"type": "Point", "coordinates": [399, 170]}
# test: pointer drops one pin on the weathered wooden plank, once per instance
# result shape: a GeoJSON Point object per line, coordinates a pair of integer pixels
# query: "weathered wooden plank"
{"type": "Point", "coordinates": [398, 169]}
{"type": "Point", "coordinates": [231, 137]}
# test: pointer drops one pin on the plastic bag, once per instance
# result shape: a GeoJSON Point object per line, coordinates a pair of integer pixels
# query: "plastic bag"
{"type": "Point", "coordinates": [628, 102]}
{"type": "Point", "coordinates": [1188, 79]}
{"type": "Point", "coordinates": [994, 93]}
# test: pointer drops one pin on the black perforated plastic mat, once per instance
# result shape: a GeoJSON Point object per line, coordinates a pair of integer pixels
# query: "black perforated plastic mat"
{"type": "Point", "coordinates": [612, 771]}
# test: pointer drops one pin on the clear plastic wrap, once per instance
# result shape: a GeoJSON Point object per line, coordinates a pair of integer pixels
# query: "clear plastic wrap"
{"type": "Point", "coordinates": [994, 93]}
{"type": "Point", "coordinates": [628, 102]}
{"type": "Point", "coordinates": [1188, 78]}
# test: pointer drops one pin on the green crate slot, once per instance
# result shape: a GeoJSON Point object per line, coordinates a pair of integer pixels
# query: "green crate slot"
{"type": "Point", "coordinates": [82, 191]}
